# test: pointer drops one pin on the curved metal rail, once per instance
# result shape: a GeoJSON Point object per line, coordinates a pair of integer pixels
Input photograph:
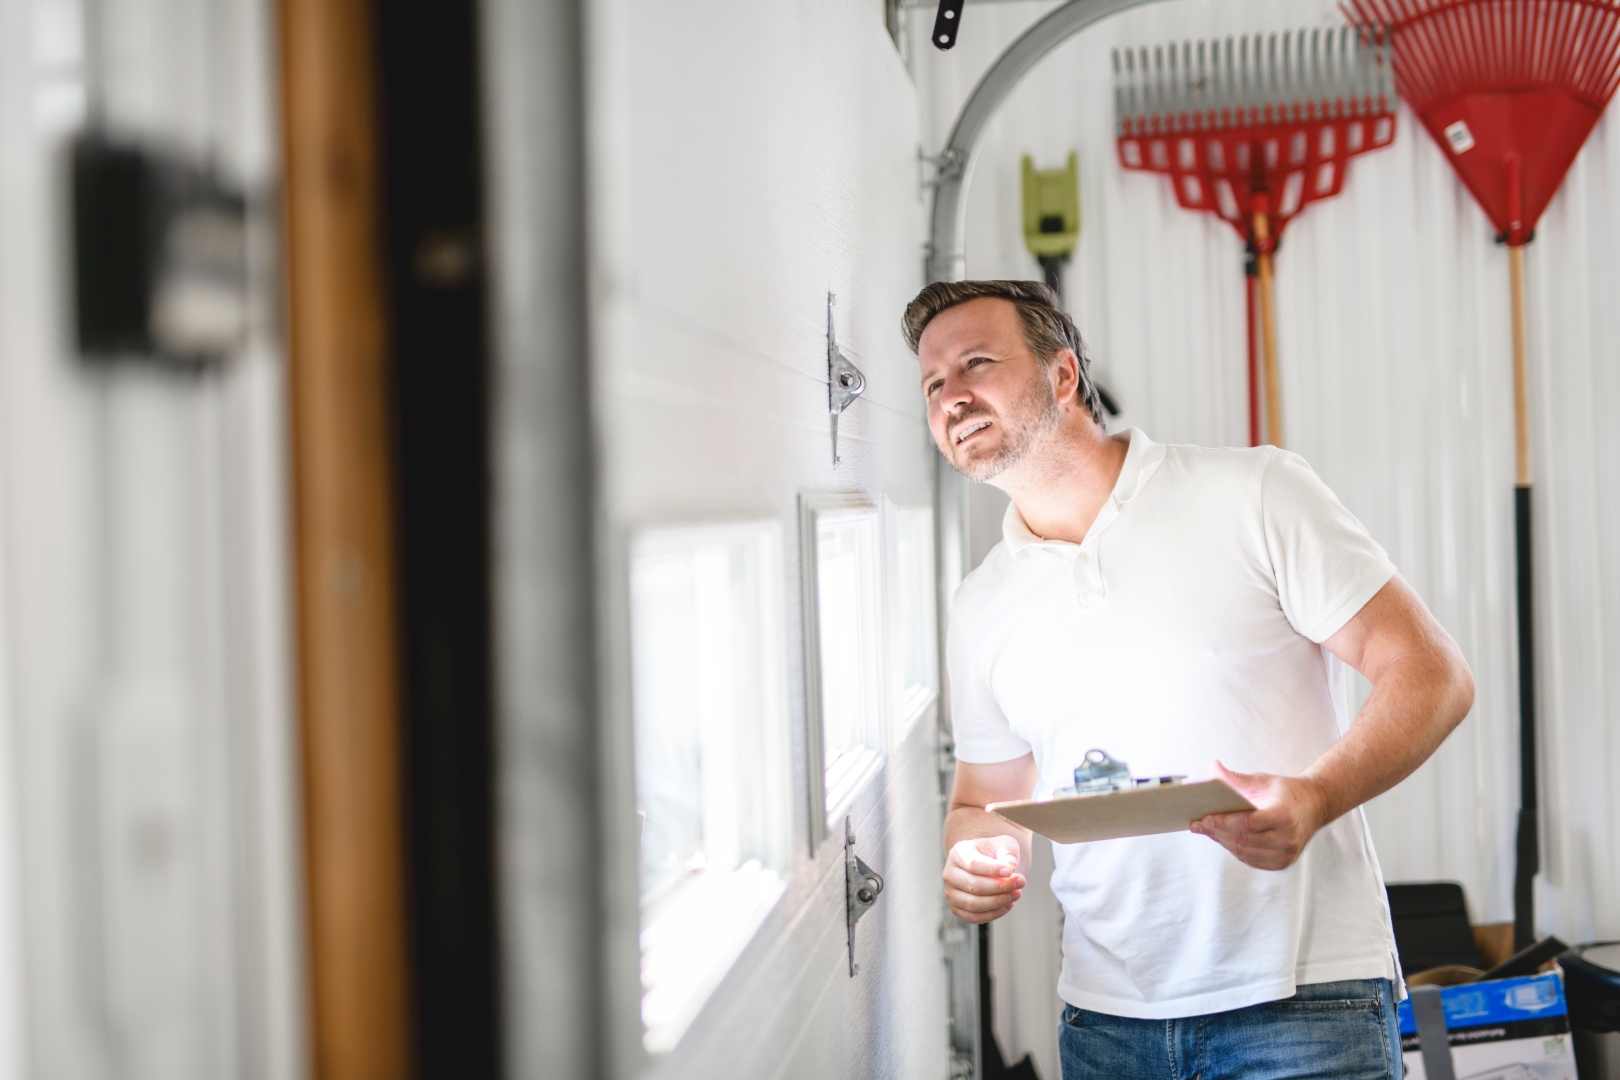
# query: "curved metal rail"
{"type": "Point", "coordinates": [954, 166]}
{"type": "Point", "coordinates": [946, 262]}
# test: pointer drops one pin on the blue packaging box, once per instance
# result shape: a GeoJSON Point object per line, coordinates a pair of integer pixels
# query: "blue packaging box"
{"type": "Point", "coordinates": [1508, 1028]}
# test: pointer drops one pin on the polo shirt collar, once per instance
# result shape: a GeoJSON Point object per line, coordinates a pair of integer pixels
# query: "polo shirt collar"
{"type": "Point", "coordinates": [1141, 459]}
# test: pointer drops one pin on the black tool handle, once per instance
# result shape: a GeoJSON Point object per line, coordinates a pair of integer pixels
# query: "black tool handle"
{"type": "Point", "coordinates": [1528, 848]}
{"type": "Point", "coordinates": [1527, 961]}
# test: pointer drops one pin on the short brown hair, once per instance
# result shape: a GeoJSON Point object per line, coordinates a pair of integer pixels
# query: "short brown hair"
{"type": "Point", "coordinates": [1048, 330]}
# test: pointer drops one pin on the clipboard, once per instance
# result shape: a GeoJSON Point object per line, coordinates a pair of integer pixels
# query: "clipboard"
{"type": "Point", "coordinates": [1144, 811]}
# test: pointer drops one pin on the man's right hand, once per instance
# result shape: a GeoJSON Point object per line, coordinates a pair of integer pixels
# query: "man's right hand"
{"type": "Point", "coordinates": [981, 878]}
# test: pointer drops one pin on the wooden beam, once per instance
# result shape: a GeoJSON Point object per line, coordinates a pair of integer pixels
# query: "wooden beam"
{"type": "Point", "coordinates": [344, 522]}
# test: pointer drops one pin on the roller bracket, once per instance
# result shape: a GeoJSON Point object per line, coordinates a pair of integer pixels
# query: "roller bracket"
{"type": "Point", "coordinates": [845, 382]}
{"type": "Point", "coordinates": [862, 887]}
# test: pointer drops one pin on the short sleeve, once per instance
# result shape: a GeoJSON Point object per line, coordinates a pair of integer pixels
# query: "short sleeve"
{"type": "Point", "coordinates": [983, 735]}
{"type": "Point", "coordinates": [1327, 567]}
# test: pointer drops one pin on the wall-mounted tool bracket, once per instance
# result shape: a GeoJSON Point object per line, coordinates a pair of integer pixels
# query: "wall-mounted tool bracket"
{"type": "Point", "coordinates": [862, 886]}
{"type": "Point", "coordinates": [160, 247]}
{"type": "Point", "coordinates": [947, 23]}
{"type": "Point", "coordinates": [845, 382]}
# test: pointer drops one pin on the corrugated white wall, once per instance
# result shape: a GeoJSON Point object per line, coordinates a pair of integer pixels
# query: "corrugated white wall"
{"type": "Point", "coordinates": [1393, 325]}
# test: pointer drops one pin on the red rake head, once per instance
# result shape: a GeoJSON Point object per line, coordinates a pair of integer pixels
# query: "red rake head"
{"type": "Point", "coordinates": [1510, 89]}
{"type": "Point", "coordinates": [1260, 124]}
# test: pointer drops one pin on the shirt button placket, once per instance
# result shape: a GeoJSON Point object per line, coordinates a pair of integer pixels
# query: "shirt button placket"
{"type": "Point", "coordinates": [1083, 564]}
{"type": "Point", "coordinates": [1084, 569]}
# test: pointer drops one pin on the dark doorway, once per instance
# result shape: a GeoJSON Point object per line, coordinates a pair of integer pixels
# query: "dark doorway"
{"type": "Point", "coordinates": [433, 232]}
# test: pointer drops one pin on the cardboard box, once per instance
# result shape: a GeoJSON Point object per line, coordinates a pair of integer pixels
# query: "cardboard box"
{"type": "Point", "coordinates": [1505, 1029]}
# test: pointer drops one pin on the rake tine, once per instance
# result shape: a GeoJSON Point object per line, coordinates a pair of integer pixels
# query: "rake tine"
{"type": "Point", "coordinates": [1316, 66]}
{"type": "Point", "coordinates": [1171, 97]}
{"type": "Point", "coordinates": [1190, 88]}
{"type": "Point", "coordinates": [1119, 96]}
{"type": "Point", "coordinates": [1203, 85]}
{"type": "Point", "coordinates": [1133, 105]}
{"type": "Point", "coordinates": [1285, 79]}
{"type": "Point", "coordinates": [1251, 74]}
{"type": "Point", "coordinates": [1139, 84]}
{"type": "Point", "coordinates": [1178, 84]}
{"type": "Point", "coordinates": [1367, 72]}
{"type": "Point", "coordinates": [1301, 75]}
{"type": "Point", "coordinates": [1178, 98]}
{"type": "Point", "coordinates": [1353, 85]}
{"type": "Point", "coordinates": [1145, 81]}
{"type": "Point", "coordinates": [1273, 88]}
{"type": "Point", "coordinates": [1243, 73]}
{"type": "Point", "coordinates": [1138, 106]}
{"type": "Point", "coordinates": [1389, 68]}
{"type": "Point", "coordinates": [1153, 81]}
{"type": "Point", "coordinates": [1342, 47]}
{"type": "Point", "coordinates": [1229, 77]}
{"type": "Point", "coordinates": [1369, 61]}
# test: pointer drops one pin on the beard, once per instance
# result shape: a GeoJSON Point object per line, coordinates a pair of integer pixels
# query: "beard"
{"type": "Point", "coordinates": [1030, 420]}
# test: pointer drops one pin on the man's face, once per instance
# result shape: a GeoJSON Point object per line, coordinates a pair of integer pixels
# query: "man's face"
{"type": "Point", "coordinates": [989, 401]}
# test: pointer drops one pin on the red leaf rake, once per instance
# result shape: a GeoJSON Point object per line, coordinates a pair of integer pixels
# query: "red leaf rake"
{"type": "Point", "coordinates": [1510, 90]}
{"type": "Point", "coordinates": [1253, 129]}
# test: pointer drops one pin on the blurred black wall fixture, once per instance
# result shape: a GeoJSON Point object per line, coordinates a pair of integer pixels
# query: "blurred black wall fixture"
{"type": "Point", "coordinates": [160, 255]}
{"type": "Point", "coordinates": [433, 224]}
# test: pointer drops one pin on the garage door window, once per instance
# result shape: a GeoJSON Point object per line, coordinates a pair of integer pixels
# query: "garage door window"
{"type": "Point", "coordinates": [912, 591]}
{"type": "Point", "coordinates": [710, 728]}
{"type": "Point", "coordinates": [846, 658]}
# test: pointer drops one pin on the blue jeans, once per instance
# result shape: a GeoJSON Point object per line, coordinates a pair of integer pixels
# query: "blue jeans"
{"type": "Point", "coordinates": [1330, 1031]}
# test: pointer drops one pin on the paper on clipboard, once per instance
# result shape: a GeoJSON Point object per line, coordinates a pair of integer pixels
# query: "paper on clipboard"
{"type": "Point", "coordinates": [1142, 812]}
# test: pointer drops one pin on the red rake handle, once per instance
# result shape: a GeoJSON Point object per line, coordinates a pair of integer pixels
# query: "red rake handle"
{"type": "Point", "coordinates": [1251, 275]}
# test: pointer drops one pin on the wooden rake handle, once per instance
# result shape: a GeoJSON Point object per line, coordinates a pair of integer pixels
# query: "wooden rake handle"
{"type": "Point", "coordinates": [1268, 330]}
{"type": "Point", "coordinates": [1521, 376]}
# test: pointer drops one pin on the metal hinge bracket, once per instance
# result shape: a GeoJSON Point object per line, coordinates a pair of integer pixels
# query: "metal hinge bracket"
{"type": "Point", "coordinates": [845, 382]}
{"type": "Point", "coordinates": [862, 886]}
{"type": "Point", "coordinates": [936, 169]}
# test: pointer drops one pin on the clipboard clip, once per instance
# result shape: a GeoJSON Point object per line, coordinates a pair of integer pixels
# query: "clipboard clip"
{"type": "Point", "coordinates": [1100, 774]}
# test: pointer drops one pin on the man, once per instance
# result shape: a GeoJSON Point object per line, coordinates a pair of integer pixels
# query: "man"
{"type": "Point", "coordinates": [1176, 607]}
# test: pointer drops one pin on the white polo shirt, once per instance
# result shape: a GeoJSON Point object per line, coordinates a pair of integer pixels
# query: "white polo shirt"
{"type": "Point", "coordinates": [1186, 628]}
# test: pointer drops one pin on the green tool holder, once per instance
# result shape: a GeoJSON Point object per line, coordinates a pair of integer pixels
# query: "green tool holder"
{"type": "Point", "coordinates": [1052, 216]}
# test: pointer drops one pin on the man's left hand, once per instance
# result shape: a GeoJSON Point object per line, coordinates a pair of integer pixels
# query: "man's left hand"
{"type": "Point", "coordinates": [1288, 811]}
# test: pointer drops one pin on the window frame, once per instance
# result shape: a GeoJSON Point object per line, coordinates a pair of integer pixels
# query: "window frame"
{"type": "Point", "coordinates": [824, 811]}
